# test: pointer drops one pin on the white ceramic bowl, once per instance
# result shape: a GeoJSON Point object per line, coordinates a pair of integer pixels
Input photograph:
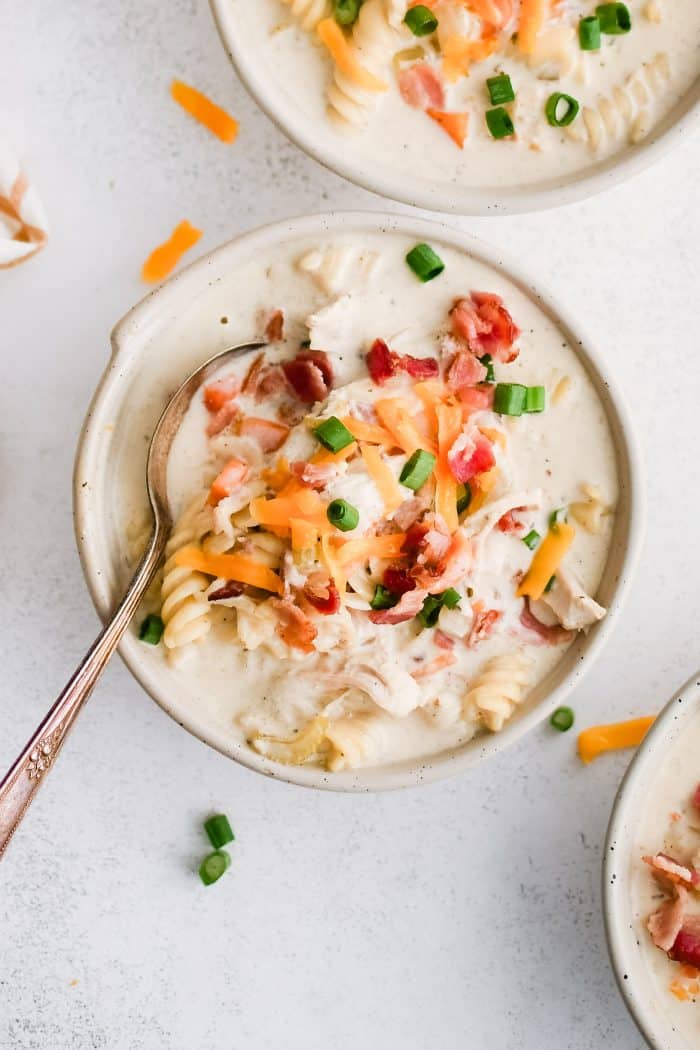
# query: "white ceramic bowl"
{"type": "Point", "coordinates": [279, 101]}
{"type": "Point", "coordinates": [178, 317]}
{"type": "Point", "coordinates": [665, 1023]}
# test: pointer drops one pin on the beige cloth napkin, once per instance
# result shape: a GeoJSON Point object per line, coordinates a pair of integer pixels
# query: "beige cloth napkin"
{"type": "Point", "coordinates": [23, 226]}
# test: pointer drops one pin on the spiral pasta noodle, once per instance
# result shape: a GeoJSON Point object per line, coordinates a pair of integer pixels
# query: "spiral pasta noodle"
{"type": "Point", "coordinates": [375, 41]}
{"type": "Point", "coordinates": [499, 688]}
{"type": "Point", "coordinates": [557, 54]}
{"type": "Point", "coordinates": [185, 609]}
{"type": "Point", "coordinates": [309, 12]}
{"type": "Point", "coordinates": [357, 740]}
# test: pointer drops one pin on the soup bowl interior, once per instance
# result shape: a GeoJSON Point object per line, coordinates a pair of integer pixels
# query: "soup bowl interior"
{"type": "Point", "coordinates": [192, 317]}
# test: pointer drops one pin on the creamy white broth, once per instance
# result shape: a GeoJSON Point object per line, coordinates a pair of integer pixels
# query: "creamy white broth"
{"type": "Point", "coordinates": [670, 792]}
{"type": "Point", "coordinates": [568, 444]}
{"type": "Point", "coordinates": [624, 90]}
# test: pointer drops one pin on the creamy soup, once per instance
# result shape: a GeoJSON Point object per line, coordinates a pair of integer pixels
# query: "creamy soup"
{"type": "Point", "coordinates": [666, 883]}
{"type": "Point", "coordinates": [498, 93]}
{"type": "Point", "coordinates": [393, 519]}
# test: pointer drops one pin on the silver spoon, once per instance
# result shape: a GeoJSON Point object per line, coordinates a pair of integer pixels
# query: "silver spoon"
{"type": "Point", "coordinates": [20, 784]}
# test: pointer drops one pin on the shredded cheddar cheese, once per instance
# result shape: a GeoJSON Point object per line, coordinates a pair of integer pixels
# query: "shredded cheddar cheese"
{"type": "Point", "coordinates": [230, 567]}
{"type": "Point", "coordinates": [595, 741]}
{"type": "Point", "coordinates": [546, 560]}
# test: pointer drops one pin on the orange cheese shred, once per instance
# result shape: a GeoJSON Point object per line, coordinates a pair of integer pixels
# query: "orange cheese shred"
{"type": "Point", "coordinates": [304, 534]}
{"type": "Point", "coordinates": [455, 125]}
{"type": "Point", "coordinates": [344, 56]}
{"type": "Point", "coordinates": [366, 547]}
{"type": "Point", "coordinates": [532, 16]}
{"type": "Point", "coordinates": [387, 485]}
{"type": "Point", "coordinates": [546, 560]}
{"type": "Point", "coordinates": [163, 259]}
{"type": "Point", "coordinates": [395, 416]}
{"type": "Point", "coordinates": [213, 117]}
{"type": "Point", "coordinates": [459, 52]}
{"type": "Point", "coordinates": [598, 739]}
{"type": "Point", "coordinates": [230, 567]}
{"type": "Point", "coordinates": [370, 433]}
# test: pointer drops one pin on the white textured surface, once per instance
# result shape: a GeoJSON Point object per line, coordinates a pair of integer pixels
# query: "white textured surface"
{"type": "Point", "coordinates": [466, 914]}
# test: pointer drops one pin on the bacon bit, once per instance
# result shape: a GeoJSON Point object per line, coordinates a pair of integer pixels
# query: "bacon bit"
{"type": "Point", "coordinates": [433, 666]}
{"type": "Point", "coordinates": [274, 329]}
{"type": "Point", "coordinates": [686, 947]}
{"type": "Point", "coordinates": [509, 523]}
{"type": "Point", "coordinates": [314, 475]}
{"type": "Point", "coordinates": [383, 363]}
{"type": "Point", "coordinates": [250, 380]}
{"type": "Point", "coordinates": [483, 625]}
{"type": "Point", "coordinates": [213, 117]}
{"type": "Point", "coordinates": [421, 87]}
{"type": "Point", "coordinates": [231, 589]}
{"type": "Point", "coordinates": [465, 370]}
{"type": "Point", "coordinates": [442, 640]}
{"type": "Point", "coordinates": [675, 816]}
{"type": "Point", "coordinates": [483, 322]}
{"type": "Point", "coordinates": [398, 581]}
{"type": "Point", "coordinates": [321, 592]}
{"type": "Point", "coordinates": [231, 478]}
{"type": "Point", "coordinates": [268, 434]}
{"type": "Point", "coordinates": [408, 606]}
{"type": "Point", "coordinates": [223, 418]}
{"type": "Point", "coordinates": [666, 922]}
{"type": "Point", "coordinates": [409, 512]}
{"type": "Point", "coordinates": [668, 870]}
{"type": "Point", "coordinates": [549, 635]}
{"type": "Point", "coordinates": [217, 394]}
{"type": "Point", "coordinates": [496, 13]}
{"type": "Point", "coordinates": [476, 398]}
{"type": "Point", "coordinates": [310, 375]}
{"type": "Point", "coordinates": [163, 259]}
{"type": "Point", "coordinates": [471, 454]}
{"type": "Point", "coordinates": [428, 541]}
{"type": "Point", "coordinates": [458, 562]}
{"type": "Point", "coordinates": [295, 627]}
{"type": "Point", "coordinates": [691, 973]}
{"type": "Point", "coordinates": [696, 797]}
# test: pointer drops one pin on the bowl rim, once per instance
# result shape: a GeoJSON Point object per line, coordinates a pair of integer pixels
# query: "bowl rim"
{"type": "Point", "coordinates": [143, 319]}
{"type": "Point", "coordinates": [504, 201]}
{"type": "Point", "coordinates": [660, 736]}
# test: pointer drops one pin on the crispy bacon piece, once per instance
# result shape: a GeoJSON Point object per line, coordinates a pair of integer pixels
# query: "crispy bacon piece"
{"type": "Point", "coordinates": [383, 363]}
{"type": "Point", "coordinates": [476, 398]}
{"type": "Point", "coordinates": [220, 392]}
{"type": "Point", "coordinates": [410, 511]}
{"type": "Point", "coordinates": [409, 605]}
{"type": "Point", "coordinates": [433, 666]}
{"type": "Point", "coordinates": [250, 379]}
{"type": "Point", "coordinates": [548, 635]}
{"type": "Point", "coordinates": [666, 922]}
{"type": "Point", "coordinates": [268, 434]}
{"type": "Point", "coordinates": [471, 454]}
{"type": "Point", "coordinates": [484, 622]}
{"type": "Point", "coordinates": [509, 522]}
{"type": "Point", "coordinates": [421, 87]}
{"type": "Point", "coordinates": [398, 581]}
{"type": "Point", "coordinates": [450, 571]}
{"type": "Point", "coordinates": [274, 329]}
{"type": "Point", "coordinates": [295, 628]}
{"type": "Point", "coordinates": [686, 947]}
{"type": "Point", "coordinates": [483, 322]}
{"type": "Point", "coordinates": [465, 370]}
{"type": "Point", "coordinates": [310, 375]}
{"type": "Point", "coordinates": [669, 871]}
{"type": "Point", "coordinates": [223, 418]}
{"type": "Point", "coordinates": [442, 640]}
{"type": "Point", "coordinates": [321, 592]}
{"type": "Point", "coordinates": [314, 475]}
{"type": "Point", "coordinates": [231, 589]}
{"type": "Point", "coordinates": [428, 542]}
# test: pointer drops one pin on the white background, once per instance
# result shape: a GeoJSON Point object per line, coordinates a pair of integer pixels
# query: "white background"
{"type": "Point", "coordinates": [461, 915]}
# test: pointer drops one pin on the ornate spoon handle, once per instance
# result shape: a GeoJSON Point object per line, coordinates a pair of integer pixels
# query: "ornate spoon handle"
{"type": "Point", "coordinates": [19, 786]}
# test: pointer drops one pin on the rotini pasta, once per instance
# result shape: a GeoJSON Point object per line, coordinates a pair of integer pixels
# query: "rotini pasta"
{"type": "Point", "coordinates": [309, 12]}
{"type": "Point", "coordinates": [590, 512]}
{"type": "Point", "coordinates": [185, 609]}
{"type": "Point", "coordinates": [557, 54]}
{"type": "Point", "coordinates": [358, 740]}
{"type": "Point", "coordinates": [295, 750]}
{"type": "Point", "coordinates": [499, 688]}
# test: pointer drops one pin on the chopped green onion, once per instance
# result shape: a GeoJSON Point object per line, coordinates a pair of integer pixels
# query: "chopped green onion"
{"type": "Point", "coordinates": [589, 33]}
{"type": "Point", "coordinates": [213, 866]}
{"type": "Point", "coordinates": [487, 362]}
{"type": "Point", "coordinates": [532, 539]}
{"type": "Point", "coordinates": [382, 598]}
{"type": "Point", "coordinates": [550, 584]}
{"type": "Point", "coordinates": [333, 434]}
{"type": "Point", "coordinates": [509, 399]}
{"type": "Point", "coordinates": [556, 517]}
{"type": "Point", "coordinates": [451, 598]}
{"type": "Point", "coordinates": [343, 515]}
{"type": "Point", "coordinates": [464, 498]}
{"type": "Point", "coordinates": [417, 469]}
{"type": "Point", "coordinates": [562, 719]}
{"type": "Point", "coordinates": [428, 615]}
{"type": "Point", "coordinates": [421, 20]}
{"type": "Point", "coordinates": [425, 263]}
{"type": "Point", "coordinates": [219, 830]}
{"type": "Point", "coordinates": [535, 399]}
{"type": "Point", "coordinates": [151, 629]}
{"type": "Point", "coordinates": [555, 116]}
{"type": "Point", "coordinates": [614, 18]}
{"type": "Point", "coordinates": [345, 12]}
{"type": "Point", "coordinates": [499, 123]}
{"type": "Point", "coordinates": [500, 89]}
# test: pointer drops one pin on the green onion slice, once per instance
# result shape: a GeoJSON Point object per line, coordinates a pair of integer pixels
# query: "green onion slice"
{"type": "Point", "coordinates": [487, 362]}
{"type": "Point", "coordinates": [425, 263]}
{"type": "Point", "coordinates": [535, 399]}
{"type": "Point", "coordinates": [499, 123]}
{"type": "Point", "coordinates": [417, 469]}
{"type": "Point", "coordinates": [614, 18]}
{"type": "Point", "coordinates": [558, 117]}
{"type": "Point", "coordinates": [213, 866]}
{"type": "Point", "coordinates": [464, 498]}
{"type": "Point", "coordinates": [562, 719]}
{"type": "Point", "coordinates": [151, 629]}
{"type": "Point", "coordinates": [333, 434]}
{"type": "Point", "coordinates": [343, 515]}
{"type": "Point", "coordinates": [451, 598]}
{"type": "Point", "coordinates": [557, 516]}
{"type": "Point", "coordinates": [382, 598]}
{"type": "Point", "coordinates": [219, 830]}
{"type": "Point", "coordinates": [550, 584]}
{"type": "Point", "coordinates": [432, 605]}
{"type": "Point", "coordinates": [509, 399]}
{"type": "Point", "coordinates": [500, 89]}
{"type": "Point", "coordinates": [589, 33]}
{"type": "Point", "coordinates": [345, 12]}
{"type": "Point", "coordinates": [532, 539]}
{"type": "Point", "coordinates": [421, 20]}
